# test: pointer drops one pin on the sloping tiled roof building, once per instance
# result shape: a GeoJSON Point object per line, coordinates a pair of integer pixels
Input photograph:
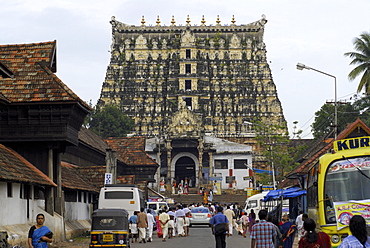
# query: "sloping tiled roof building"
{"type": "Point", "coordinates": [131, 150]}
{"type": "Point", "coordinates": [14, 168]}
{"type": "Point", "coordinates": [39, 115]}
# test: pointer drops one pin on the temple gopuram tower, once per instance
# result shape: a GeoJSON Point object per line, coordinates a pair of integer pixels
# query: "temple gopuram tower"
{"type": "Point", "coordinates": [182, 82]}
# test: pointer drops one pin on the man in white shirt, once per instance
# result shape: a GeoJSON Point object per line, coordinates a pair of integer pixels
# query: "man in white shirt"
{"type": "Point", "coordinates": [186, 222]}
{"type": "Point", "coordinates": [151, 222]}
{"type": "Point", "coordinates": [299, 222]}
{"type": "Point", "coordinates": [180, 218]}
{"type": "Point", "coordinates": [230, 215]}
{"type": "Point", "coordinates": [164, 218]}
{"type": "Point", "coordinates": [171, 223]}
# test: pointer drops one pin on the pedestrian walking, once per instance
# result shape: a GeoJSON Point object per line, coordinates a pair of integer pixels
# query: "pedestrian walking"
{"type": "Point", "coordinates": [220, 227]}
{"type": "Point", "coordinates": [359, 237]}
{"type": "Point", "coordinates": [278, 242]}
{"type": "Point", "coordinates": [164, 218]}
{"type": "Point", "coordinates": [230, 216]}
{"type": "Point", "coordinates": [39, 235]}
{"type": "Point", "coordinates": [171, 223]}
{"type": "Point", "coordinates": [186, 189]}
{"type": "Point", "coordinates": [187, 224]}
{"type": "Point", "coordinates": [174, 185]}
{"type": "Point", "coordinates": [300, 229]}
{"type": "Point", "coordinates": [134, 233]}
{"type": "Point", "coordinates": [210, 196]}
{"type": "Point", "coordinates": [244, 222]}
{"type": "Point", "coordinates": [263, 233]}
{"type": "Point", "coordinates": [288, 231]}
{"type": "Point", "coordinates": [252, 219]}
{"type": "Point", "coordinates": [151, 222]}
{"type": "Point", "coordinates": [142, 224]}
{"type": "Point", "coordinates": [180, 219]}
{"type": "Point", "coordinates": [312, 238]}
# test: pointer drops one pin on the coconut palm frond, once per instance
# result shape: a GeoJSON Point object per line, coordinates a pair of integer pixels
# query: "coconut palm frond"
{"type": "Point", "coordinates": [361, 58]}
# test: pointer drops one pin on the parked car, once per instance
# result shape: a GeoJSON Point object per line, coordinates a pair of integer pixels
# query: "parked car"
{"type": "Point", "coordinates": [200, 216]}
{"type": "Point", "coordinates": [156, 206]}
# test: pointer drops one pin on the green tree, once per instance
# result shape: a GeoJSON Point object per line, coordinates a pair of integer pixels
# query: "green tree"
{"type": "Point", "coordinates": [324, 119]}
{"type": "Point", "coordinates": [274, 140]}
{"type": "Point", "coordinates": [347, 113]}
{"type": "Point", "coordinates": [296, 132]}
{"type": "Point", "coordinates": [109, 121]}
{"type": "Point", "coordinates": [362, 105]}
{"type": "Point", "coordinates": [361, 59]}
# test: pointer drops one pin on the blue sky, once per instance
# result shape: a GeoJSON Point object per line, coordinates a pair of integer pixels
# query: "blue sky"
{"type": "Point", "coordinates": [316, 33]}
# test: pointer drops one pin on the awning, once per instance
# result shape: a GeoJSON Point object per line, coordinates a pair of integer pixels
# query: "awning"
{"type": "Point", "coordinates": [286, 193]}
{"type": "Point", "coordinates": [262, 171]}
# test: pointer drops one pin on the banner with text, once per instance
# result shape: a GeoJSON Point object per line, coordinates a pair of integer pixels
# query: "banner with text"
{"type": "Point", "coordinates": [345, 210]}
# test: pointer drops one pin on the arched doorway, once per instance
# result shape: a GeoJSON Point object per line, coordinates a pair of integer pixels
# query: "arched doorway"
{"type": "Point", "coordinates": [185, 170]}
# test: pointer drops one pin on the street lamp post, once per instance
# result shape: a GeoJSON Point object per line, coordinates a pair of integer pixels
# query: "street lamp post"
{"type": "Point", "coordinates": [301, 66]}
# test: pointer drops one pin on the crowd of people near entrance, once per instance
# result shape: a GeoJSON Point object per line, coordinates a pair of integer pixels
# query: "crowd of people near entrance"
{"type": "Point", "coordinates": [174, 222]}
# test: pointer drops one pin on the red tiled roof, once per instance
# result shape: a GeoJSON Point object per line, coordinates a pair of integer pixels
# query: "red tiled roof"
{"type": "Point", "coordinates": [126, 179]}
{"type": "Point", "coordinates": [349, 131]}
{"type": "Point", "coordinates": [33, 66]}
{"type": "Point", "coordinates": [95, 175]}
{"type": "Point", "coordinates": [92, 139]}
{"type": "Point", "coordinates": [72, 179]}
{"type": "Point", "coordinates": [131, 150]}
{"type": "Point", "coordinates": [13, 167]}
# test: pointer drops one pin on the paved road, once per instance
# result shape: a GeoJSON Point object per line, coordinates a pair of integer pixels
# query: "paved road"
{"type": "Point", "coordinates": [200, 236]}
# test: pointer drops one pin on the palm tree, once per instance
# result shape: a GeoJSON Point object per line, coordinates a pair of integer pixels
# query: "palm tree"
{"type": "Point", "coordinates": [361, 59]}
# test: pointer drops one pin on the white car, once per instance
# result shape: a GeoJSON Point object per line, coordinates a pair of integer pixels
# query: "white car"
{"type": "Point", "coordinates": [200, 216]}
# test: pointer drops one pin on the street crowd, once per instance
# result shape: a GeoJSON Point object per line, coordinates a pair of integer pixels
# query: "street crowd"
{"type": "Point", "coordinates": [174, 222]}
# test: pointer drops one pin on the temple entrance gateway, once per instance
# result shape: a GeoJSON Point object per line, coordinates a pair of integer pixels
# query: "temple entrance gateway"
{"type": "Point", "coordinates": [185, 170]}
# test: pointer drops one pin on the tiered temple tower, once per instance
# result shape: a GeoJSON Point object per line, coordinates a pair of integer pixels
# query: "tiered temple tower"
{"type": "Point", "coordinates": [187, 81]}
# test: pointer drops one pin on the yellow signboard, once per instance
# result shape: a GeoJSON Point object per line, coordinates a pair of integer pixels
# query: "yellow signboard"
{"type": "Point", "coordinates": [353, 143]}
{"type": "Point", "coordinates": [345, 210]}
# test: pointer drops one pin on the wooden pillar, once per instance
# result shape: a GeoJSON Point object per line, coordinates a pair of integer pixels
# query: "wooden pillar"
{"type": "Point", "coordinates": [169, 171]}
{"type": "Point", "coordinates": [59, 204]}
{"type": "Point", "coordinates": [200, 158]}
{"type": "Point", "coordinates": [211, 164]}
{"type": "Point", "coordinates": [158, 179]}
{"type": "Point", "coordinates": [49, 191]}
{"type": "Point", "coordinates": [111, 164]}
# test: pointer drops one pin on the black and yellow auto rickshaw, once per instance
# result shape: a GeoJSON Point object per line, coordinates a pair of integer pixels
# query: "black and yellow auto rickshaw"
{"type": "Point", "coordinates": [109, 228]}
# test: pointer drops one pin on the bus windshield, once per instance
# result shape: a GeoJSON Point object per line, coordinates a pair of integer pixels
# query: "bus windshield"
{"type": "Point", "coordinates": [346, 179]}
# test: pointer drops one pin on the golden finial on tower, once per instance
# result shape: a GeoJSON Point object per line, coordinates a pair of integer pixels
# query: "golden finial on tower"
{"type": "Point", "coordinates": [158, 21]}
{"type": "Point", "coordinates": [173, 21]}
{"type": "Point", "coordinates": [203, 21]}
{"type": "Point", "coordinates": [218, 20]}
{"type": "Point", "coordinates": [233, 21]}
{"type": "Point", "coordinates": [142, 21]}
{"type": "Point", "coordinates": [188, 21]}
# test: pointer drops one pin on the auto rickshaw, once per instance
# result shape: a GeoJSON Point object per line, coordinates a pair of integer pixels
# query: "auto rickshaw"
{"type": "Point", "coordinates": [109, 228]}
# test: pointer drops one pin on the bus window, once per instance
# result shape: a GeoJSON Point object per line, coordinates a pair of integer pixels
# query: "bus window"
{"type": "Point", "coordinates": [252, 204]}
{"type": "Point", "coordinates": [344, 182]}
{"type": "Point", "coordinates": [119, 195]}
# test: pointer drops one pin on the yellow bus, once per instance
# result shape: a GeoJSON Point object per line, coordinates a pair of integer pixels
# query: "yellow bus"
{"type": "Point", "coordinates": [338, 187]}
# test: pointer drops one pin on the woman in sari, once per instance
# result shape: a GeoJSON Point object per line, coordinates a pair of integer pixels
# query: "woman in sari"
{"type": "Point", "coordinates": [288, 231]}
{"type": "Point", "coordinates": [251, 220]}
{"type": "Point", "coordinates": [39, 235]}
